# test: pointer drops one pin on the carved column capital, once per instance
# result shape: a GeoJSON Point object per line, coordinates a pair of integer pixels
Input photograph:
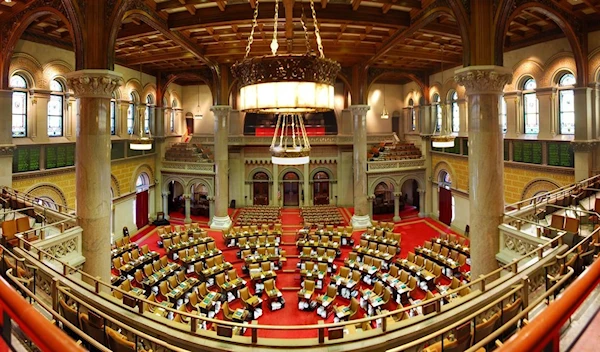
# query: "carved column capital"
{"type": "Point", "coordinates": [187, 196]}
{"type": "Point", "coordinates": [483, 79]}
{"type": "Point", "coordinates": [7, 149]}
{"type": "Point", "coordinates": [221, 110]}
{"type": "Point", "coordinates": [94, 83]}
{"type": "Point", "coordinates": [421, 191]}
{"type": "Point", "coordinates": [359, 109]}
{"type": "Point", "coordinates": [371, 197]}
{"type": "Point", "coordinates": [583, 146]}
{"type": "Point", "coordinates": [165, 194]}
{"type": "Point", "coordinates": [397, 194]}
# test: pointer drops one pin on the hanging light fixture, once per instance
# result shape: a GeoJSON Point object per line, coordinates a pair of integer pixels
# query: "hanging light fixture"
{"type": "Point", "coordinates": [442, 140]}
{"type": "Point", "coordinates": [384, 114]}
{"type": "Point", "coordinates": [198, 115]}
{"type": "Point", "coordinates": [143, 141]}
{"type": "Point", "coordinates": [287, 85]}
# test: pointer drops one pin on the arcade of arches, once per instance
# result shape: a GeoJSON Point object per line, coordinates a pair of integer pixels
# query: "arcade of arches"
{"type": "Point", "coordinates": [522, 104]}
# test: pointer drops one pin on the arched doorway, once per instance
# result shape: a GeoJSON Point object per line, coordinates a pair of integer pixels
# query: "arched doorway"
{"type": "Point", "coordinates": [410, 194]}
{"type": "Point", "coordinates": [260, 186]}
{"type": "Point", "coordinates": [291, 189]}
{"type": "Point", "coordinates": [446, 200]}
{"type": "Point", "coordinates": [384, 199]}
{"type": "Point", "coordinates": [140, 206]}
{"type": "Point", "coordinates": [321, 188]}
{"type": "Point", "coordinates": [200, 205]}
{"type": "Point", "coordinates": [176, 201]}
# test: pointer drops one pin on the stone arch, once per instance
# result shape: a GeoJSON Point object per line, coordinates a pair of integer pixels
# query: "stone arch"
{"type": "Point", "coordinates": [260, 169]}
{"type": "Point", "coordinates": [525, 68]}
{"type": "Point", "coordinates": [594, 65]}
{"type": "Point", "coordinates": [409, 177]}
{"type": "Point", "coordinates": [49, 190]}
{"type": "Point", "coordinates": [557, 65]}
{"type": "Point", "coordinates": [175, 96]}
{"type": "Point", "coordinates": [537, 185]}
{"type": "Point", "coordinates": [424, 88]}
{"type": "Point", "coordinates": [134, 86]}
{"type": "Point", "coordinates": [384, 179]}
{"type": "Point", "coordinates": [450, 84]}
{"type": "Point", "coordinates": [321, 169]}
{"type": "Point", "coordinates": [295, 170]}
{"type": "Point", "coordinates": [169, 178]}
{"type": "Point", "coordinates": [144, 168]}
{"type": "Point", "coordinates": [29, 68]}
{"type": "Point", "coordinates": [196, 76]}
{"type": "Point", "coordinates": [114, 184]}
{"type": "Point", "coordinates": [415, 96]}
{"type": "Point", "coordinates": [149, 89]}
{"type": "Point", "coordinates": [435, 89]}
{"type": "Point", "coordinates": [55, 69]}
{"type": "Point", "coordinates": [444, 166]}
{"type": "Point", "coordinates": [196, 181]}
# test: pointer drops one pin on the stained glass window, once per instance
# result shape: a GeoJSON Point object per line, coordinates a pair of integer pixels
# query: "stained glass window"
{"type": "Point", "coordinates": [531, 107]}
{"type": "Point", "coordinates": [148, 114]}
{"type": "Point", "coordinates": [455, 112]}
{"type": "Point", "coordinates": [566, 104]}
{"type": "Point", "coordinates": [413, 117]}
{"type": "Point", "coordinates": [55, 109]}
{"type": "Point", "coordinates": [437, 112]}
{"type": "Point", "coordinates": [19, 106]}
{"type": "Point", "coordinates": [503, 114]}
{"type": "Point", "coordinates": [131, 114]}
{"type": "Point", "coordinates": [172, 122]}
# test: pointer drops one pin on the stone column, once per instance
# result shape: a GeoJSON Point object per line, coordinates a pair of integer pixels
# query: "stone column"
{"type": "Point", "coordinates": [596, 109]}
{"type": "Point", "coordinates": [370, 200]}
{"type": "Point", "coordinates": [275, 185]}
{"type": "Point", "coordinates": [93, 89]}
{"type": "Point", "coordinates": [121, 123]}
{"type": "Point", "coordinates": [221, 219]}
{"type": "Point", "coordinates": [397, 196]}
{"type": "Point", "coordinates": [165, 204]}
{"type": "Point", "coordinates": [211, 207]}
{"type": "Point", "coordinates": [188, 209]}
{"type": "Point", "coordinates": [421, 203]}
{"type": "Point", "coordinates": [548, 125]}
{"type": "Point", "coordinates": [513, 114]}
{"type": "Point", "coordinates": [484, 85]}
{"type": "Point", "coordinates": [159, 148]}
{"type": "Point", "coordinates": [463, 117]}
{"type": "Point", "coordinates": [7, 147]}
{"type": "Point", "coordinates": [307, 191]}
{"type": "Point", "coordinates": [39, 103]}
{"type": "Point", "coordinates": [361, 218]}
{"type": "Point", "coordinates": [582, 147]}
{"type": "Point", "coordinates": [70, 117]}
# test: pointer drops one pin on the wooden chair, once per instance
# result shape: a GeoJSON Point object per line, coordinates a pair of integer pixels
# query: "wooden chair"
{"type": "Point", "coordinates": [485, 328]}
{"type": "Point", "coordinates": [250, 301]}
{"type": "Point", "coordinates": [94, 327]}
{"type": "Point", "coordinates": [308, 291]}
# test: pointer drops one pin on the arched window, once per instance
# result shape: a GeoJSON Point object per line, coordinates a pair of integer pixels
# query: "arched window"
{"type": "Point", "coordinates": [131, 113]}
{"type": "Point", "coordinates": [321, 188]}
{"type": "Point", "coordinates": [531, 107]}
{"type": "Point", "coordinates": [566, 104]}
{"type": "Point", "coordinates": [142, 182]}
{"type": "Point", "coordinates": [148, 113]}
{"type": "Point", "coordinates": [455, 114]}
{"type": "Point", "coordinates": [261, 188]}
{"type": "Point", "coordinates": [445, 180]}
{"type": "Point", "coordinates": [437, 112]}
{"type": "Point", "coordinates": [413, 117]}
{"type": "Point", "coordinates": [56, 109]}
{"type": "Point", "coordinates": [172, 123]}
{"type": "Point", "coordinates": [503, 114]}
{"type": "Point", "coordinates": [47, 202]}
{"type": "Point", "coordinates": [113, 115]}
{"type": "Point", "coordinates": [19, 106]}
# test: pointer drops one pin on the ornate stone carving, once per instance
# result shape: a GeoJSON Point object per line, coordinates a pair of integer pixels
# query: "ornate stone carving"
{"type": "Point", "coordinates": [7, 149]}
{"type": "Point", "coordinates": [483, 79]}
{"type": "Point", "coordinates": [94, 83]}
{"type": "Point", "coordinates": [359, 109]}
{"type": "Point", "coordinates": [221, 110]}
{"type": "Point", "coordinates": [584, 146]}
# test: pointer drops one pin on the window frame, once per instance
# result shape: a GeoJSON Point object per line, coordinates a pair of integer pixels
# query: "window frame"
{"type": "Point", "coordinates": [562, 89]}
{"type": "Point", "coordinates": [172, 118]}
{"type": "Point", "coordinates": [113, 116]}
{"type": "Point", "coordinates": [148, 114]}
{"type": "Point", "coordinates": [437, 112]}
{"type": "Point", "coordinates": [20, 91]}
{"type": "Point", "coordinates": [56, 94]}
{"type": "Point", "coordinates": [454, 115]}
{"type": "Point", "coordinates": [526, 93]}
{"type": "Point", "coordinates": [503, 110]}
{"type": "Point", "coordinates": [131, 113]}
{"type": "Point", "coordinates": [413, 116]}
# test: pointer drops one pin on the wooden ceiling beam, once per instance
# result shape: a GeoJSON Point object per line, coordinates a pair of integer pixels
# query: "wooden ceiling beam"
{"type": "Point", "coordinates": [191, 9]}
{"type": "Point", "coordinates": [159, 57]}
{"type": "Point", "coordinates": [132, 31]}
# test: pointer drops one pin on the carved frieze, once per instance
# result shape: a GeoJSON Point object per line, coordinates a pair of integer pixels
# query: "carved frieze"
{"type": "Point", "coordinates": [483, 79]}
{"type": "Point", "coordinates": [94, 83]}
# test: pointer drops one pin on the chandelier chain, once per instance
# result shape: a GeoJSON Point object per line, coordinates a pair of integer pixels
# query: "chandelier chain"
{"type": "Point", "coordinates": [317, 33]}
{"type": "Point", "coordinates": [274, 44]}
{"type": "Point", "coordinates": [302, 20]}
{"type": "Point", "coordinates": [251, 36]}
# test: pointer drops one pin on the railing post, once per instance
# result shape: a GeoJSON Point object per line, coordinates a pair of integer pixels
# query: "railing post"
{"type": "Point", "coordinates": [254, 333]}
{"type": "Point", "coordinates": [481, 277]}
{"type": "Point", "coordinates": [97, 285]}
{"type": "Point", "coordinates": [140, 305]}
{"type": "Point", "coordinates": [321, 333]}
{"type": "Point", "coordinates": [525, 294]}
{"type": "Point", "coordinates": [194, 324]}
{"type": "Point", "coordinates": [54, 295]}
{"type": "Point", "coordinates": [384, 323]}
{"type": "Point", "coordinates": [515, 267]}
{"type": "Point", "coordinates": [541, 252]}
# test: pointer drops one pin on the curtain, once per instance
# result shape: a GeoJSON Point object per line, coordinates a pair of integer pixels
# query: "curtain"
{"type": "Point", "coordinates": [445, 205]}
{"type": "Point", "coordinates": [141, 209]}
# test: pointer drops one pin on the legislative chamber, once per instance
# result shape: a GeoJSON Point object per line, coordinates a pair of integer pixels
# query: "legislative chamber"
{"type": "Point", "coordinates": [366, 175]}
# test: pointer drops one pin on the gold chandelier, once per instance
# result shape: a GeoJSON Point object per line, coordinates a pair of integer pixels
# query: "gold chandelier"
{"type": "Point", "coordinates": [287, 85]}
{"type": "Point", "coordinates": [143, 141]}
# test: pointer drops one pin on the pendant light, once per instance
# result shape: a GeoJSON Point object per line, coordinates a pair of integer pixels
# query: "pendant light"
{"type": "Point", "coordinates": [443, 139]}
{"type": "Point", "coordinates": [198, 115]}
{"type": "Point", "coordinates": [384, 114]}
{"type": "Point", "coordinates": [143, 141]}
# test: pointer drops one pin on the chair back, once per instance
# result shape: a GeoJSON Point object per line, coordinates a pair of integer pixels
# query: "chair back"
{"type": "Point", "coordinates": [69, 313]}
{"type": "Point", "coordinates": [23, 224]}
{"type": "Point", "coordinates": [245, 294]}
{"type": "Point", "coordinates": [309, 285]}
{"type": "Point", "coordinates": [269, 285]}
{"type": "Point", "coordinates": [93, 327]}
{"type": "Point", "coordinates": [484, 329]}
{"type": "Point", "coordinates": [118, 342]}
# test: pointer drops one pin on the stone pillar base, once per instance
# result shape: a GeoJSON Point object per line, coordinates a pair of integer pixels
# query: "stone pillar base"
{"type": "Point", "coordinates": [422, 215]}
{"type": "Point", "coordinates": [220, 223]}
{"type": "Point", "coordinates": [361, 221]}
{"type": "Point", "coordinates": [189, 220]}
{"type": "Point", "coordinates": [396, 219]}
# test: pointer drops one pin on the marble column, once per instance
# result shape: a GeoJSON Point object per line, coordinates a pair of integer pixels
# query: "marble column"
{"type": "Point", "coordinates": [307, 190]}
{"type": "Point", "coordinates": [159, 147]}
{"type": "Point", "coordinates": [188, 208]}
{"type": "Point", "coordinates": [548, 126]}
{"type": "Point", "coordinates": [397, 196]}
{"type": "Point", "coordinates": [221, 219]}
{"type": "Point", "coordinates": [93, 89]}
{"type": "Point", "coordinates": [275, 185]}
{"type": "Point", "coordinates": [7, 147]}
{"type": "Point", "coordinates": [582, 145]}
{"type": "Point", "coordinates": [211, 207]}
{"type": "Point", "coordinates": [165, 204]}
{"type": "Point", "coordinates": [370, 200]}
{"type": "Point", "coordinates": [421, 203]}
{"type": "Point", "coordinates": [361, 218]}
{"type": "Point", "coordinates": [484, 85]}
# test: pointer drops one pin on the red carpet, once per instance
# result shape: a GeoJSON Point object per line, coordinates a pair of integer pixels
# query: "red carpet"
{"type": "Point", "coordinates": [409, 212]}
{"type": "Point", "coordinates": [414, 231]}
